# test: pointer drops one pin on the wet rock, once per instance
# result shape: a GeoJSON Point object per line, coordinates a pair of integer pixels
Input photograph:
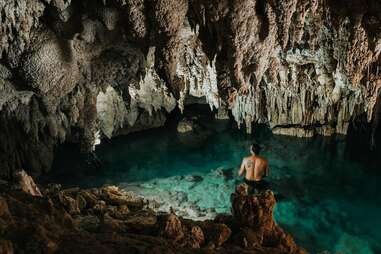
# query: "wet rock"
{"type": "Point", "coordinates": [181, 197]}
{"type": "Point", "coordinates": [351, 244]}
{"type": "Point", "coordinates": [225, 173]}
{"type": "Point", "coordinates": [193, 178]}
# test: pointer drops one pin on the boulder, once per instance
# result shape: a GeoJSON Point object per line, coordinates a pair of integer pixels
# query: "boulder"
{"type": "Point", "coordinates": [216, 233]}
{"type": "Point", "coordinates": [185, 126]}
{"type": "Point", "coordinates": [173, 228]}
{"type": "Point", "coordinates": [114, 196]}
{"type": "Point", "coordinates": [70, 204]}
{"type": "Point", "coordinates": [26, 183]}
{"type": "Point", "coordinates": [197, 238]}
{"type": "Point", "coordinates": [254, 215]}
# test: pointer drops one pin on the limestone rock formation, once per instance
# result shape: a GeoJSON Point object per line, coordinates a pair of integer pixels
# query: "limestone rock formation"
{"type": "Point", "coordinates": [185, 126]}
{"type": "Point", "coordinates": [27, 184]}
{"type": "Point", "coordinates": [110, 220]}
{"type": "Point", "coordinates": [254, 214]}
{"type": "Point", "coordinates": [80, 71]}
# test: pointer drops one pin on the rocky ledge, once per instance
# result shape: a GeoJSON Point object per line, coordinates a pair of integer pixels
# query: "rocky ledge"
{"type": "Point", "coordinates": [109, 220]}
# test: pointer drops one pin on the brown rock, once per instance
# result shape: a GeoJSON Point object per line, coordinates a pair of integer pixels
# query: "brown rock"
{"type": "Point", "coordinates": [216, 234]}
{"type": "Point", "coordinates": [114, 196]}
{"type": "Point", "coordinates": [254, 213]}
{"type": "Point", "coordinates": [220, 234]}
{"type": "Point", "coordinates": [173, 228]}
{"type": "Point", "coordinates": [27, 184]}
{"type": "Point", "coordinates": [89, 223]}
{"type": "Point", "coordinates": [90, 198]}
{"type": "Point", "coordinates": [4, 211]}
{"type": "Point", "coordinates": [81, 202]}
{"type": "Point", "coordinates": [6, 247]}
{"type": "Point", "coordinates": [69, 203]}
{"type": "Point", "coordinates": [197, 237]}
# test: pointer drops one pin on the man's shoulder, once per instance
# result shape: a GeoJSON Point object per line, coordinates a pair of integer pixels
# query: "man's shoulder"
{"type": "Point", "coordinates": [248, 158]}
{"type": "Point", "coordinates": [262, 158]}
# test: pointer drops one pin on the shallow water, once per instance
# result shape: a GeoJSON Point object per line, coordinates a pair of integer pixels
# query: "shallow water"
{"type": "Point", "coordinates": [329, 192]}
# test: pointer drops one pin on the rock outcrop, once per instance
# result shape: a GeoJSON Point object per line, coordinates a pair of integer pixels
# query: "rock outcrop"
{"type": "Point", "coordinates": [80, 71]}
{"type": "Point", "coordinates": [27, 184]}
{"type": "Point", "coordinates": [109, 220]}
{"type": "Point", "coordinates": [254, 215]}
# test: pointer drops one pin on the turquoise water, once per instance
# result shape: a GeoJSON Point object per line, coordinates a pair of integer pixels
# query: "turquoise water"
{"type": "Point", "coordinates": [328, 188]}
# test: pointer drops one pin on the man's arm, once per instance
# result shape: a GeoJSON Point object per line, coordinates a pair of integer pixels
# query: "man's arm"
{"type": "Point", "coordinates": [242, 169]}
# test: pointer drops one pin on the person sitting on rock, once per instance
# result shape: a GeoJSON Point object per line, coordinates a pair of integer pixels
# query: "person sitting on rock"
{"type": "Point", "coordinates": [255, 168]}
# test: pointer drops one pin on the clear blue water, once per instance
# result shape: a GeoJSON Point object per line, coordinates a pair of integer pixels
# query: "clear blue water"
{"type": "Point", "coordinates": [331, 196]}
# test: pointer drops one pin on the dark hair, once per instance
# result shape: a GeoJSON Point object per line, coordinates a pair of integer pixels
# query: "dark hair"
{"type": "Point", "coordinates": [255, 148]}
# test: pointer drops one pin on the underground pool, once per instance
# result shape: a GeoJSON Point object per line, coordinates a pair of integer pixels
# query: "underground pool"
{"type": "Point", "coordinates": [326, 188]}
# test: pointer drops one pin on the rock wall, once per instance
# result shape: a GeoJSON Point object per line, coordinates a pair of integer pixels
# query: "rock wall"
{"type": "Point", "coordinates": [78, 71]}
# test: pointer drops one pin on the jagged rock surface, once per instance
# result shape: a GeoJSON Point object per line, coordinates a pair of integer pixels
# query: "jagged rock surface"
{"type": "Point", "coordinates": [78, 71]}
{"type": "Point", "coordinates": [109, 220]}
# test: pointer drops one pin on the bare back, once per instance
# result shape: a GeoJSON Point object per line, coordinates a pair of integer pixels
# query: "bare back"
{"type": "Point", "coordinates": [255, 167]}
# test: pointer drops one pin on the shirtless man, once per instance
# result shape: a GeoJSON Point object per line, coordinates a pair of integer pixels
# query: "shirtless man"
{"type": "Point", "coordinates": [255, 168]}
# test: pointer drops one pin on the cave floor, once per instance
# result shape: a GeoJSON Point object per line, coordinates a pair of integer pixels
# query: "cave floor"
{"type": "Point", "coordinates": [326, 188]}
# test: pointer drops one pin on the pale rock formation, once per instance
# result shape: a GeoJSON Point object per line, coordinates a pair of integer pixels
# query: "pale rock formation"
{"type": "Point", "coordinates": [149, 94]}
{"type": "Point", "coordinates": [185, 126]}
{"type": "Point", "coordinates": [111, 111]}
{"type": "Point", "coordinates": [152, 94]}
{"type": "Point", "coordinates": [27, 184]}
{"type": "Point", "coordinates": [196, 71]}
{"type": "Point", "coordinates": [81, 71]}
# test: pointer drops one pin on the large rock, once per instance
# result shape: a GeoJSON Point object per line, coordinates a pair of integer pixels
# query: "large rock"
{"type": "Point", "coordinates": [26, 184]}
{"type": "Point", "coordinates": [185, 126]}
{"type": "Point", "coordinates": [254, 215]}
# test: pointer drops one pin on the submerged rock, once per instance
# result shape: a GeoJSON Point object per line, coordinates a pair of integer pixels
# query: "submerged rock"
{"type": "Point", "coordinates": [350, 244]}
{"type": "Point", "coordinates": [185, 126]}
{"type": "Point", "coordinates": [194, 178]}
